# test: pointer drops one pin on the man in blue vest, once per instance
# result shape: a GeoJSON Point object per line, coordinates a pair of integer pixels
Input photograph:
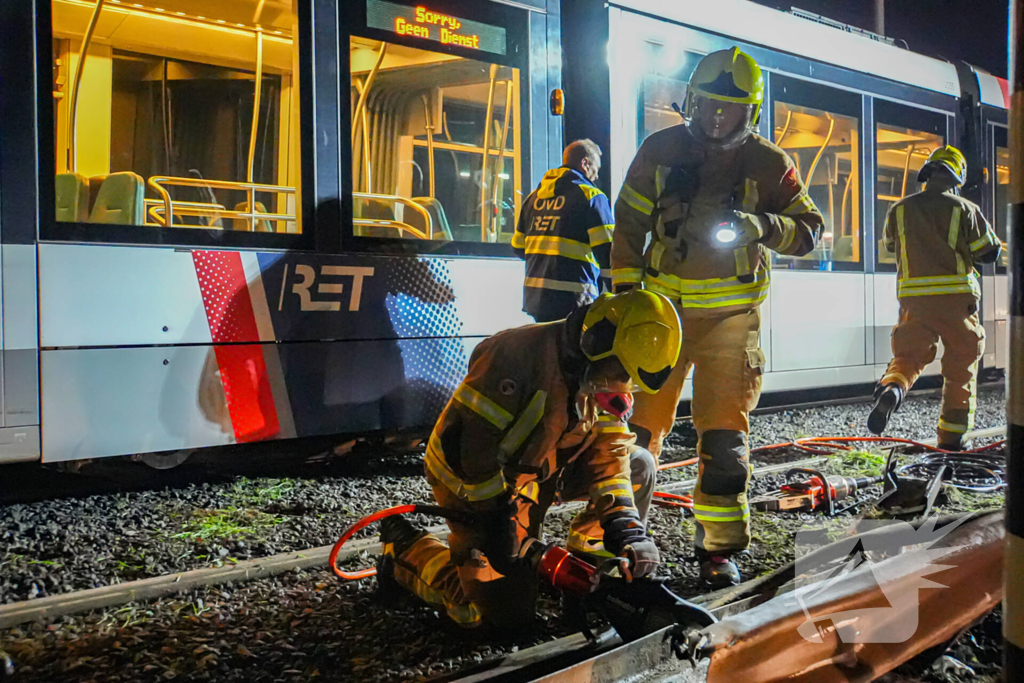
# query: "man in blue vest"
{"type": "Point", "coordinates": [565, 233]}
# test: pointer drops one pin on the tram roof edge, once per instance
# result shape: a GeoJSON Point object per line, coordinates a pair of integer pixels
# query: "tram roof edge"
{"type": "Point", "coordinates": [785, 32]}
{"type": "Point", "coordinates": [995, 91]}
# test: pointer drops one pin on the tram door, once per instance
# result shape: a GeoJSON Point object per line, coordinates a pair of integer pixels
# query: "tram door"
{"type": "Point", "coordinates": [448, 118]}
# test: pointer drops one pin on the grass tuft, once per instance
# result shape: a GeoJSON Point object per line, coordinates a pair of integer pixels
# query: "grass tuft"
{"type": "Point", "coordinates": [228, 523]}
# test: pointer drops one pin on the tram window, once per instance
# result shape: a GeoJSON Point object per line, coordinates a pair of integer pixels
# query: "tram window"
{"type": "Point", "coordinates": [1002, 186]}
{"type": "Point", "coordinates": [900, 154]}
{"type": "Point", "coordinates": [427, 128]}
{"type": "Point", "coordinates": [825, 147]}
{"type": "Point", "coordinates": [663, 89]}
{"type": "Point", "coordinates": [165, 126]}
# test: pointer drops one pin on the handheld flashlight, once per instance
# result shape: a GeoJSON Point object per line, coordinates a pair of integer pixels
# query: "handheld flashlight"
{"type": "Point", "coordinates": [725, 233]}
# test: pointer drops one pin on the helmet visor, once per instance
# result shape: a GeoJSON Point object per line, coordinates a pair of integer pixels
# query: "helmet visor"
{"type": "Point", "coordinates": [607, 376]}
{"type": "Point", "coordinates": [720, 122]}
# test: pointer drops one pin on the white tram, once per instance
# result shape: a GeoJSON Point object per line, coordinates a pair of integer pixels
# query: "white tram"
{"type": "Point", "coordinates": [205, 242]}
{"type": "Point", "coordinates": [851, 108]}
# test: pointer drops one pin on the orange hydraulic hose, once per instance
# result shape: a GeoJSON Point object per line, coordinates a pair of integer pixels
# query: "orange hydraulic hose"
{"type": "Point", "coordinates": [351, 531]}
{"type": "Point", "coordinates": [667, 499]}
{"type": "Point", "coordinates": [673, 465]}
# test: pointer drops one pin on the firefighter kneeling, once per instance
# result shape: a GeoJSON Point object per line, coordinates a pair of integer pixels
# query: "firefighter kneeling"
{"type": "Point", "coordinates": [540, 417]}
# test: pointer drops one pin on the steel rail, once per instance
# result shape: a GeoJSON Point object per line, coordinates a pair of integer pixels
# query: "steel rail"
{"type": "Point", "coordinates": [763, 640]}
{"type": "Point", "coordinates": [24, 611]}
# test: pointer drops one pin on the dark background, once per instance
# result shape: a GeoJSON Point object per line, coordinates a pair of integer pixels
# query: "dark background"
{"type": "Point", "coordinates": [974, 31]}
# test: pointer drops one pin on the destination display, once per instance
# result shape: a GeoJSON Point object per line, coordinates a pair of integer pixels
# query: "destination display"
{"type": "Point", "coordinates": [422, 22]}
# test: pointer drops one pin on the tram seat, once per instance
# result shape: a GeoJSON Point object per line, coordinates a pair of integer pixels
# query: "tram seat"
{"type": "Point", "coordinates": [243, 224]}
{"type": "Point", "coordinates": [119, 200]}
{"type": "Point", "coordinates": [376, 210]}
{"type": "Point", "coordinates": [884, 255]}
{"type": "Point", "coordinates": [438, 219]}
{"type": "Point", "coordinates": [72, 190]}
{"type": "Point", "coordinates": [844, 249]}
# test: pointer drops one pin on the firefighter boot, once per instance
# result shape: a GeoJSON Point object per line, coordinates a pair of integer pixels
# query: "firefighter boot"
{"type": "Point", "coordinates": [952, 443]}
{"type": "Point", "coordinates": [397, 535]}
{"type": "Point", "coordinates": [886, 403]}
{"type": "Point", "coordinates": [719, 572]}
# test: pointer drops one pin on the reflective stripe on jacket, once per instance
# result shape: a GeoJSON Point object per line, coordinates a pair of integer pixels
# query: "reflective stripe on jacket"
{"type": "Point", "coordinates": [682, 259]}
{"type": "Point", "coordinates": [564, 233]}
{"type": "Point", "coordinates": [507, 427]}
{"type": "Point", "coordinates": [936, 235]}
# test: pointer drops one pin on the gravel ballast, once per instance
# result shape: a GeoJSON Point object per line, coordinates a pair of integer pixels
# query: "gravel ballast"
{"type": "Point", "coordinates": [308, 624]}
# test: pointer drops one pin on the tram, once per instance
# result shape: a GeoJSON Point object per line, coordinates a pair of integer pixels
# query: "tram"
{"type": "Point", "coordinates": [234, 222]}
{"type": "Point", "coordinates": [857, 114]}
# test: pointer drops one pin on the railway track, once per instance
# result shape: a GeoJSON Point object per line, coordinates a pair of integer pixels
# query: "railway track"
{"type": "Point", "coordinates": [21, 612]}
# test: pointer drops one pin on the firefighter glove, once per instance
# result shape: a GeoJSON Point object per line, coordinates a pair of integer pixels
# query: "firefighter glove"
{"type": "Point", "coordinates": [748, 227]}
{"type": "Point", "coordinates": [621, 532]}
{"type": "Point", "coordinates": [642, 558]}
{"type": "Point", "coordinates": [497, 534]}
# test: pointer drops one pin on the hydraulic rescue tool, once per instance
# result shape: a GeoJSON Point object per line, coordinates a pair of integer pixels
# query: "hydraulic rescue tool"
{"type": "Point", "coordinates": [634, 608]}
{"type": "Point", "coordinates": [817, 492]}
{"type": "Point", "coordinates": [902, 496]}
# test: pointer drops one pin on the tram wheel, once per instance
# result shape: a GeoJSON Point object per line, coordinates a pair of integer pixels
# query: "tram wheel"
{"type": "Point", "coordinates": [164, 461]}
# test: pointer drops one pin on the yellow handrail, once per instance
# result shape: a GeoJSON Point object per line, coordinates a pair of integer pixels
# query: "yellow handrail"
{"type": "Point", "coordinates": [499, 164]}
{"type": "Point", "coordinates": [785, 129]}
{"type": "Point", "coordinates": [906, 168]}
{"type": "Point", "coordinates": [383, 223]}
{"type": "Point", "coordinates": [398, 200]}
{"type": "Point", "coordinates": [76, 86]}
{"type": "Point", "coordinates": [817, 158]}
{"type": "Point", "coordinates": [487, 145]}
{"type": "Point", "coordinates": [155, 209]}
{"type": "Point", "coordinates": [157, 183]}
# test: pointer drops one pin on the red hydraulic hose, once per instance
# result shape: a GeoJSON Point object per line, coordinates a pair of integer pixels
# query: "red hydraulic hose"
{"type": "Point", "coordinates": [681, 463]}
{"type": "Point", "coordinates": [674, 500]}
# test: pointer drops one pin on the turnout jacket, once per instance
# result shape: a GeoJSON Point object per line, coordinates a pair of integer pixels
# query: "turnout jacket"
{"type": "Point", "coordinates": [514, 423]}
{"type": "Point", "coordinates": [937, 236]}
{"type": "Point", "coordinates": [677, 192]}
{"type": "Point", "coordinates": [564, 233]}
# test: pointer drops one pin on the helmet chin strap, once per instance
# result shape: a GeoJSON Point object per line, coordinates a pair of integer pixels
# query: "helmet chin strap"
{"type": "Point", "coordinates": [620, 404]}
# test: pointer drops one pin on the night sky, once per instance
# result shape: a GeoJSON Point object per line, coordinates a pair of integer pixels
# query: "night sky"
{"type": "Point", "coordinates": [973, 31]}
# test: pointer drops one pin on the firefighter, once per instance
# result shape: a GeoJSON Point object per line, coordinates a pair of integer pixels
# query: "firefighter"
{"type": "Point", "coordinates": [565, 233]}
{"type": "Point", "coordinates": [702, 204]}
{"type": "Point", "coordinates": [938, 237]}
{"type": "Point", "coordinates": [540, 417]}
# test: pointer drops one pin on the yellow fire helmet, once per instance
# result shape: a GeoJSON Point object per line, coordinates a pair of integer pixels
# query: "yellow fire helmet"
{"type": "Point", "coordinates": [641, 329]}
{"type": "Point", "coordinates": [949, 158]}
{"type": "Point", "coordinates": [727, 76]}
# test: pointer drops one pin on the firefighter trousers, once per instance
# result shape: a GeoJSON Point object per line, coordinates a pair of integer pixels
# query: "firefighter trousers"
{"type": "Point", "coordinates": [924, 320]}
{"type": "Point", "coordinates": [725, 355]}
{"type": "Point", "coordinates": [457, 578]}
